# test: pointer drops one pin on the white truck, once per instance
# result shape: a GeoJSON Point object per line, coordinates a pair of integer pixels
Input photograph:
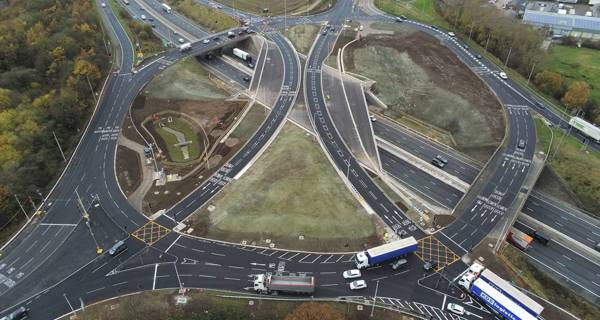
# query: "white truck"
{"type": "Point", "coordinates": [166, 7]}
{"type": "Point", "coordinates": [585, 128]}
{"type": "Point", "coordinates": [185, 47]}
{"type": "Point", "coordinates": [269, 283]}
{"type": "Point", "coordinates": [498, 294]}
{"type": "Point", "coordinates": [385, 252]}
{"type": "Point", "coordinates": [245, 56]}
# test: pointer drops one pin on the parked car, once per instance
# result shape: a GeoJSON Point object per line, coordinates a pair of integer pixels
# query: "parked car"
{"type": "Point", "coordinates": [20, 313]}
{"type": "Point", "coordinates": [455, 308]}
{"type": "Point", "coordinates": [358, 284]}
{"type": "Point", "coordinates": [372, 117]}
{"type": "Point", "coordinates": [250, 65]}
{"type": "Point", "coordinates": [351, 274]}
{"type": "Point", "coordinates": [143, 17]}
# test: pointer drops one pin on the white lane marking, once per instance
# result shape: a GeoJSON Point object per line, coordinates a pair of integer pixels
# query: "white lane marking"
{"type": "Point", "coordinates": [59, 224]}
{"type": "Point", "coordinates": [205, 276]}
{"type": "Point", "coordinates": [172, 244]}
{"type": "Point", "coordinates": [70, 306]}
{"type": "Point", "coordinates": [154, 281]}
{"type": "Point", "coordinates": [95, 290]}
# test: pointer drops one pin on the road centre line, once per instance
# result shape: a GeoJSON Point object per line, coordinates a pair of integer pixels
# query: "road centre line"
{"type": "Point", "coordinates": [59, 224]}
{"type": "Point", "coordinates": [120, 283]}
{"type": "Point", "coordinates": [205, 276]}
{"type": "Point", "coordinates": [95, 290]}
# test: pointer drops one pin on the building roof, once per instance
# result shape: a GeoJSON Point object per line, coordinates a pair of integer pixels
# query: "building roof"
{"type": "Point", "coordinates": [563, 16]}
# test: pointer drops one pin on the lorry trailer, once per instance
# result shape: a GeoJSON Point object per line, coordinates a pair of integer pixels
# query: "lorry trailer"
{"type": "Point", "coordinates": [385, 252]}
{"type": "Point", "coordinates": [184, 47]}
{"type": "Point", "coordinates": [269, 283]}
{"type": "Point", "coordinates": [166, 7]}
{"type": "Point", "coordinates": [242, 55]}
{"type": "Point", "coordinates": [498, 302]}
{"type": "Point", "coordinates": [477, 273]}
{"type": "Point", "coordinates": [586, 128]}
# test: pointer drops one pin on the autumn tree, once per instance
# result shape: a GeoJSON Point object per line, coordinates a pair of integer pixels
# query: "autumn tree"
{"type": "Point", "coordinates": [314, 311]}
{"type": "Point", "coordinates": [577, 95]}
{"type": "Point", "coordinates": [549, 82]}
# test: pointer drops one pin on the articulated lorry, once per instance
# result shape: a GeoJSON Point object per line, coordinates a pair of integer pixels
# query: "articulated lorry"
{"type": "Point", "coordinates": [166, 7]}
{"type": "Point", "coordinates": [245, 56]}
{"type": "Point", "coordinates": [269, 283]}
{"type": "Point", "coordinates": [185, 47]}
{"type": "Point", "coordinates": [385, 252]}
{"type": "Point", "coordinates": [498, 294]}
{"type": "Point", "coordinates": [586, 128]}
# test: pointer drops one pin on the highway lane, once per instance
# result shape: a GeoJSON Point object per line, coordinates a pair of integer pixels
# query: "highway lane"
{"type": "Point", "coordinates": [334, 145]}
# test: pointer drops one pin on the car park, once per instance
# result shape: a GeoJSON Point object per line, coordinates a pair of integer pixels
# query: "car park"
{"type": "Point", "coordinates": [455, 308]}
{"type": "Point", "coordinates": [358, 284]}
{"type": "Point", "coordinates": [503, 75]}
{"type": "Point", "coordinates": [351, 274]}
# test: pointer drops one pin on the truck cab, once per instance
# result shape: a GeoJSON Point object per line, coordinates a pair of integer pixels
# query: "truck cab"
{"type": "Point", "coordinates": [361, 260]}
{"type": "Point", "coordinates": [259, 283]}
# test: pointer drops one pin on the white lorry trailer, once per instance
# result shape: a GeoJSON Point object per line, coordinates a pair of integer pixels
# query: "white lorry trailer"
{"type": "Point", "coordinates": [519, 302]}
{"type": "Point", "coordinates": [166, 7]}
{"type": "Point", "coordinates": [586, 128]}
{"type": "Point", "coordinates": [269, 283]}
{"type": "Point", "coordinates": [245, 56]}
{"type": "Point", "coordinates": [185, 47]}
{"type": "Point", "coordinates": [385, 252]}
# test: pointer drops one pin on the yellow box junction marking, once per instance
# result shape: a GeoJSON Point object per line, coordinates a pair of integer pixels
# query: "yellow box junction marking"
{"type": "Point", "coordinates": [431, 249]}
{"type": "Point", "coordinates": [150, 232]}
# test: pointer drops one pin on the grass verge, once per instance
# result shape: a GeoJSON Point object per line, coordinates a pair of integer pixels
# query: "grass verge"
{"type": "Point", "coordinates": [302, 36]}
{"type": "Point", "coordinates": [278, 7]}
{"type": "Point", "coordinates": [422, 10]}
{"type": "Point", "coordinates": [206, 305]}
{"type": "Point", "coordinates": [573, 165]}
{"type": "Point", "coordinates": [209, 18]}
{"type": "Point", "coordinates": [544, 286]}
{"type": "Point", "coordinates": [291, 191]}
{"type": "Point", "coordinates": [175, 153]}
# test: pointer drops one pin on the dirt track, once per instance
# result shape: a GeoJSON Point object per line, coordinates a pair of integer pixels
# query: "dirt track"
{"type": "Point", "coordinates": [416, 75]}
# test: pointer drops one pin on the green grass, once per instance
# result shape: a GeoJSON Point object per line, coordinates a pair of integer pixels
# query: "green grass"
{"type": "Point", "coordinates": [291, 190]}
{"type": "Point", "coordinates": [208, 17]}
{"type": "Point", "coordinates": [539, 283]}
{"type": "Point", "coordinates": [578, 168]}
{"type": "Point", "coordinates": [252, 120]}
{"type": "Point", "coordinates": [576, 64]}
{"type": "Point", "coordinates": [170, 140]}
{"type": "Point", "coordinates": [421, 10]}
{"type": "Point", "coordinates": [302, 36]}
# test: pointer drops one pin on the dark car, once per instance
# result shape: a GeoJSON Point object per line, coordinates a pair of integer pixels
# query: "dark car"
{"type": "Point", "coordinates": [434, 27]}
{"type": "Point", "coordinates": [250, 65]}
{"type": "Point", "coordinates": [216, 38]}
{"type": "Point", "coordinates": [478, 56]}
{"type": "Point", "coordinates": [438, 163]}
{"type": "Point", "coordinates": [540, 105]}
{"type": "Point", "coordinates": [403, 18]}
{"type": "Point", "coordinates": [246, 79]}
{"type": "Point", "coordinates": [398, 19]}
{"type": "Point", "coordinates": [151, 19]}
{"type": "Point", "coordinates": [154, 25]}
{"type": "Point", "coordinates": [442, 159]}
{"type": "Point", "coordinates": [429, 265]}
{"type": "Point", "coordinates": [521, 144]}
{"type": "Point", "coordinates": [20, 313]}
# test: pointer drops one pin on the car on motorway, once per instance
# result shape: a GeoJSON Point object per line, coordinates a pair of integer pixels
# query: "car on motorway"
{"type": "Point", "coordinates": [503, 75]}
{"type": "Point", "coordinates": [20, 313]}
{"type": "Point", "coordinates": [372, 117]}
{"type": "Point", "coordinates": [154, 25]}
{"type": "Point", "coordinates": [434, 27]}
{"type": "Point", "coordinates": [181, 40]}
{"type": "Point", "coordinates": [597, 247]}
{"type": "Point", "coordinates": [351, 274]}
{"type": "Point", "coordinates": [143, 17]}
{"type": "Point", "coordinates": [466, 47]}
{"type": "Point", "coordinates": [398, 19]}
{"type": "Point", "coordinates": [399, 264]}
{"type": "Point", "coordinates": [521, 144]}
{"type": "Point", "coordinates": [205, 41]}
{"type": "Point", "coordinates": [452, 34]}
{"type": "Point", "coordinates": [478, 56]}
{"type": "Point", "coordinates": [217, 38]}
{"type": "Point", "coordinates": [358, 284]}
{"type": "Point", "coordinates": [540, 105]}
{"type": "Point", "coordinates": [439, 161]}
{"type": "Point", "coordinates": [230, 34]}
{"type": "Point", "coordinates": [117, 248]}
{"type": "Point", "coordinates": [455, 308]}
{"type": "Point", "coordinates": [250, 65]}
{"type": "Point", "coordinates": [103, 5]}
{"type": "Point", "coordinates": [403, 17]}
{"type": "Point", "coordinates": [442, 159]}
{"type": "Point", "coordinates": [246, 79]}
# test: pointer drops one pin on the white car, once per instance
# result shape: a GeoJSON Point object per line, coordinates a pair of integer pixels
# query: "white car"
{"type": "Point", "coordinates": [143, 17]}
{"type": "Point", "coordinates": [205, 41]}
{"type": "Point", "coordinates": [351, 274]}
{"type": "Point", "coordinates": [358, 284]}
{"type": "Point", "coordinates": [103, 5]}
{"type": "Point", "coordinates": [452, 34]}
{"type": "Point", "coordinates": [455, 308]}
{"type": "Point", "coordinates": [372, 117]}
{"type": "Point", "coordinates": [503, 75]}
{"type": "Point", "coordinates": [181, 40]}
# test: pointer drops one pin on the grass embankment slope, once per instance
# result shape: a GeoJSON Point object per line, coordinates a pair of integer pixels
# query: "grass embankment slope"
{"type": "Point", "coordinates": [530, 277]}
{"type": "Point", "coordinates": [302, 36]}
{"type": "Point", "coordinates": [579, 169]}
{"type": "Point", "coordinates": [576, 64]}
{"type": "Point", "coordinates": [207, 305]}
{"type": "Point", "coordinates": [175, 153]}
{"type": "Point", "coordinates": [279, 7]}
{"type": "Point", "coordinates": [291, 191]}
{"type": "Point", "coordinates": [421, 10]}
{"type": "Point", "coordinates": [209, 18]}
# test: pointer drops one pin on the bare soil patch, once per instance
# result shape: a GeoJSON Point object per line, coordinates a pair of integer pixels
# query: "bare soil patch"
{"type": "Point", "coordinates": [129, 171]}
{"type": "Point", "coordinates": [418, 76]}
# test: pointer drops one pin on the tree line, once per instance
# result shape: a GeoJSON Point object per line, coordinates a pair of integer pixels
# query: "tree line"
{"type": "Point", "coordinates": [519, 46]}
{"type": "Point", "coordinates": [52, 57]}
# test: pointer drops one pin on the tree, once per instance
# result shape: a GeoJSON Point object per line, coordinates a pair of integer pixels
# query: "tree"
{"type": "Point", "coordinates": [549, 82]}
{"type": "Point", "coordinates": [577, 95]}
{"type": "Point", "coordinates": [314, 311]}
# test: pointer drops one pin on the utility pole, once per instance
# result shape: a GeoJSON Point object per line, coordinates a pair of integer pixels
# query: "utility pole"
{"type": "Point", "coordinates": [92, 89]}
{"type": "Point", "coordinates": [488, 41]}
{"type": "Point", "coordinates": [508, 56]}
{"type": "Point", "coordinates": [374, 298]}
{"type": "Point", "coordinates": [59, 148]}
{"type": "Point", "coordinates": [21, 206]}
{"type": "Point", "coordinates": [530, 73]}
{"type": "Point", "coordinates": [471, 32]}
{"type": "Point", "coordinates": [86, 216]}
